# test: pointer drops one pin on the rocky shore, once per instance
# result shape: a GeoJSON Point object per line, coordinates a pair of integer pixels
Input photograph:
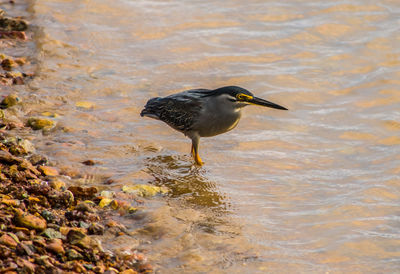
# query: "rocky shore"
{"type": "Point", "coordinates": [47, 224]}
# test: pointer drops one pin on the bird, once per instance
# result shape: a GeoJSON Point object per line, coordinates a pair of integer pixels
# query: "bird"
{"type": "Point", "coordinates": [203, 112]}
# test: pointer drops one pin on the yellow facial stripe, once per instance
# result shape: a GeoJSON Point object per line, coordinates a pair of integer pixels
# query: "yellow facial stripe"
{"type": "Point", "coordinates": [243, 97]}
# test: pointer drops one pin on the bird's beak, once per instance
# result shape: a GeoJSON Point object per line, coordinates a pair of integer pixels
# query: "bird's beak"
{"type": "Point", "coordinates": [261, 102]}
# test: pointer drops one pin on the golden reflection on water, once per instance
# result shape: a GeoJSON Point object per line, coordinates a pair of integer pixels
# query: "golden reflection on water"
{"type": "Point", "coordinates": [185, 181]}
{"type": "Point", "coordinates": [314, 189]}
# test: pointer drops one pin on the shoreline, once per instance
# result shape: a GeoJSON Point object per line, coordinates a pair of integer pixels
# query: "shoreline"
{"type": "Point", "coordinates": [46, 224]}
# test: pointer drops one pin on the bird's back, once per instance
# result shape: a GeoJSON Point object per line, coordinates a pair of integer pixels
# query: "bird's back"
{"type": "Point", "coordinates": [179, 110]}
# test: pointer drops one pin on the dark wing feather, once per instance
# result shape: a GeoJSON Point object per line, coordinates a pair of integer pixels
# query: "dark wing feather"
{"type": "Point", "coordinates": [180, 111]}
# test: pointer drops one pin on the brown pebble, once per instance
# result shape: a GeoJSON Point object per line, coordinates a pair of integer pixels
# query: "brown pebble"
{"type": "Point", "coordinates": [10, 100]}
{"type": "Point", "coordinates": [64, 230]}
{"type": "Point", "coordinates": [75, 235]}
{"type": "Point", "coordinates": [18, 81]}
{"type": "Point", "coordinates": [13, 34]}
{"type": "Point", "coordinates": [21, 229]}
{"type": "Point", "coordinates": [111, 270]}
{"type": "Point", "coordinates": [99, 269]}
{"type": "Point", "coordinates": [83, 192]}
{"type": "Point", "coordinates": [89, 162]}
{"type": "Point", "coordinates": [13, 24]}
{"type": "Point", "coordinates": [27, 266]}
{"type": "Point", "coordinates": [48, 170]}
{"type": "Point", "coordinates": [56, 246]}
{"type": "Point", "coordinates": [37, 159]}
{"type": "Point", "coordinates": [20, 61]}
{"type": "Point", "coordinates": [7, 240]}
{"type": "Point", "coordinates": [78, 267]}
{"type": "Point", "coordinates": [86, 243]}
{"type": "Point", "coordinates": [145, 268]}
{"type": "Point", "coordinates": [22, 236]}
{"type": "Point", "coordinates": [10, 202]}
{"type": "Point", "coordinates": [30, 221]}
{"type": "Point", "coordinates": [96, 229]}
{"type": "Point", "coordinates": [26, 247]}
{"type": "Point", "coordinates": [111, 223]}
{"type": "Point", "coordinates": [109, 182]}
{"type": "Point", "coordinates": [57, 184]}
{"type": "Point", "coordinates": [128, 271]}
{"type": "Point", "coordinates": [8, 64]}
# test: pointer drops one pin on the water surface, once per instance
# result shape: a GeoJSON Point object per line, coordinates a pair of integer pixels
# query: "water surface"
{"type": "Point", "coordinates": [313, 189]}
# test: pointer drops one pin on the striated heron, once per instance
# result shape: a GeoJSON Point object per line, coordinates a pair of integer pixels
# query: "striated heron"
{"type": "Point", "coordinates": [203, 112]}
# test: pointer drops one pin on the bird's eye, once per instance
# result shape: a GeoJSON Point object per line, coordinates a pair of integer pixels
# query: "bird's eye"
{"type": "Point", "coordinates": [243, 97]}
{"type": "Point", "coordinates": [240, 96]}
{"type": "Point", "coordinates": [232, 100]}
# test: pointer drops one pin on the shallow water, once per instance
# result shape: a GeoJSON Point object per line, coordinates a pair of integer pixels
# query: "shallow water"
{"type": "Point", "coordinates": [313, 189]}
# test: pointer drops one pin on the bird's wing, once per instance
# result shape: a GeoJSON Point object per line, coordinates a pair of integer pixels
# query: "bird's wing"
{"type": "Point", "coordinates": [180, 111]}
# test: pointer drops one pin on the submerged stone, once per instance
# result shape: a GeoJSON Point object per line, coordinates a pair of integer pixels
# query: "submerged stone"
{"type": "Point", "coordinates": [9, 100]}
{"type": "Point", "coordinates": [50, 114]}
{"type": "Point", "coordinates": [8, 64]}
{"type": "Point", "coordinates": [105, 202]}
{"type": "Point", "coordinates": [144, 190]}
{"type": "Point", "coordinates": [11, 24]}
{"type": "Point", "coordinates": [40, 123]}
{"type": "Point", "coordinates": [85, 105]}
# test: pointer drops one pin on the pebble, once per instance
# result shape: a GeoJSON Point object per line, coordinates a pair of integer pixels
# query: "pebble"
{"type": "Point", "coordinates": [48, 170]}
{"type": "Point", "coordinates": [40, 123]}
{"type": "Point", "coordinates": [8, 64]}
{"type": "Point", "coordinates": [37, 159]}
{"type": "Point", "coordinates": [89, 162]}
{"type": "Point", "coordinates": [85, 105]}
{"type": "Point", "coordinates": [86, 243]}
{"type": "Point", "coordinates": [9, 100]}
{"type": "Point", "coordinates": [30, 221]}
{"type": "Point", "coordinates": [72, 255]}
{"type": "Point", "coordinates": [111, 270]}
{"type": "Point", "coordinates": [56, 246]}
{"type": "Point", "coordinates": [48, 215]}
{"type": "Point", "coordinates": [7, 240]}
{"type": "Point", "coordinates": [83, 192]}
{"type": "Point", "coordinates": [75, 235]}
{"type": "Point", "coordinates": [128, 271]}
{"type": "Point", "coordinates": [84, 207]}
{"type": "Point", "coordinates": [13, 24]}
{"type": "Point", "coordinates": [144, 190]}
{"type": "Point", "coordinates": [96, 229]}
{"type": "Point", "coordinates": [10, 202]}
{"type": "Point", "coordinates": [105, 202]}
{"type": "Point", "coordinates": [51, 233]}
{"type": "Point", "coordinates": [57, 184]}
{"type": "Point", "coordinates": [26, 265]}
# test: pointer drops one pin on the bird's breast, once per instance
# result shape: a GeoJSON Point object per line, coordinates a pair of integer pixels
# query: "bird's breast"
{"type": "Point", "coordinates": [211, 124]}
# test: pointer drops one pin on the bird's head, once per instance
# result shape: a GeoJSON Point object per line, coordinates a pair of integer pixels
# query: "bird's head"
{"type": "Point", "coordinates": [240, 97]}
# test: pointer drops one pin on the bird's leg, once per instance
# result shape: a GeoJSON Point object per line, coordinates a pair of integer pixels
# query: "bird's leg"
{"type": "Point", "coordinates": [195, 151]}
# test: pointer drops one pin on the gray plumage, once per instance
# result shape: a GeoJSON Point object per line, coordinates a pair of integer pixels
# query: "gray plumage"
{"type": "Point", "coordinates": [202, 112]}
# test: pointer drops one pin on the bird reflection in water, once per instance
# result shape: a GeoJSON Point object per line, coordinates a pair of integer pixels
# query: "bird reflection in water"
{"type": "Point", "coordinates": [185, 182]}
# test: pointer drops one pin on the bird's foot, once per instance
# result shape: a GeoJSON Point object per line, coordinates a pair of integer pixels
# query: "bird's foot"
{"type": "Point", "coordinates": [198, 160]}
